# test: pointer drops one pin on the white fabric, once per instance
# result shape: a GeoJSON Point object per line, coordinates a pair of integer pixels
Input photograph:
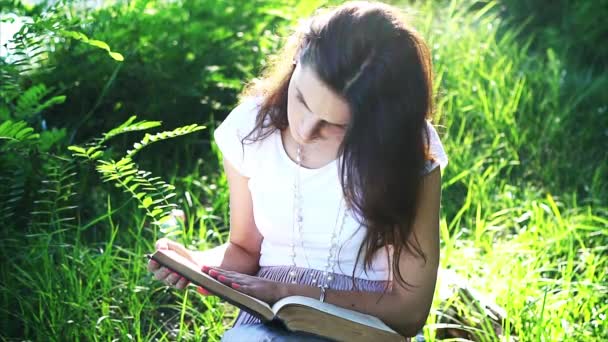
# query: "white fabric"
{"type": "Point", "coordinates": [271, 176]}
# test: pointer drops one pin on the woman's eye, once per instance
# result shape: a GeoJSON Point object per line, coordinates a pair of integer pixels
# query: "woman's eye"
{"type": "Point", "coordinates": [327, 124]}
{"type": "Point", "coordinates": [332, 129]}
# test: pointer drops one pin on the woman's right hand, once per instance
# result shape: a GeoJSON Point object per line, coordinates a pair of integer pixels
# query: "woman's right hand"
{"type": "Point", "coordinates": [167, 275]}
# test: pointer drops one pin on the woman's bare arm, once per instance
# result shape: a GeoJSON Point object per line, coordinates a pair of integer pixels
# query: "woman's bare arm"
{"type": "Point", "coordinates": [242, 251]}
{"type": "Point", "coordinates": [403, 309]}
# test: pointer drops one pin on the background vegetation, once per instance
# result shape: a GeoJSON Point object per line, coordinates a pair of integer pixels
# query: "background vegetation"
{"type": "Point", "coordinates": [521, 107]}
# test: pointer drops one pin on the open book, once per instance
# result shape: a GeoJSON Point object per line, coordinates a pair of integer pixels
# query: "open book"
{"type": "Point", "coordinates": [297, 313]}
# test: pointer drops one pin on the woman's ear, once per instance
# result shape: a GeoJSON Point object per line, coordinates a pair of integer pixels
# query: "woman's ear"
{"type": "Point", "coordinates": [296, 58]}
{"type": "Point", "coordinates": [303, 45]}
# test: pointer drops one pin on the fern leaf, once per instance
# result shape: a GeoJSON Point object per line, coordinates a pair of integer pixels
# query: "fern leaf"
{"type": "Point", "coordinates": [16, 132]}
{"type": "Point", "coordinates": [149, 139]}
{"type": "Point", "coordinates": [129, 126]}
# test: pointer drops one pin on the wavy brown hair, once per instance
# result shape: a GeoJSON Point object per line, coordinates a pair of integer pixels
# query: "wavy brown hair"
{"type": "Point", "coordinates": [366, 53]}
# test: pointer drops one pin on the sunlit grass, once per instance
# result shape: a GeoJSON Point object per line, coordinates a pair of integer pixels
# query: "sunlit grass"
{"type": "Point", "coordinates": [514, 223]}
{"type": "Point", "coordinates": [510, 229]}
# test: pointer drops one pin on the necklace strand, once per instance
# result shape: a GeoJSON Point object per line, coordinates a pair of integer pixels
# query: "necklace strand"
{"type": "Point", "coordinates": [299, 221]}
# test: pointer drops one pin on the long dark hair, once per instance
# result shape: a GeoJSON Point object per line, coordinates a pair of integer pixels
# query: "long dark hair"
{"type": "Point", "coordinates": [366, 53]}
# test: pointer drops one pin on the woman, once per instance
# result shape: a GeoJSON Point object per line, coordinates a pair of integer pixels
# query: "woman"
{"type": "Point", "coordinates": [334, 175]}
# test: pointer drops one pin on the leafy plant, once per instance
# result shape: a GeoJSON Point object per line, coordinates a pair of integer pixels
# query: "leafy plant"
{"type": "Point", "coordinates": [152, 193]}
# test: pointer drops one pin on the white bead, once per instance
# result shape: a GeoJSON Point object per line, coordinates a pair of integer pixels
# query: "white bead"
{"type": "Point", "coordinates": [298, 223]}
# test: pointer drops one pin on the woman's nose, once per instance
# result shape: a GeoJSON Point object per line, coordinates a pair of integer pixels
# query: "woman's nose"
{"type": "Point", "coordinates": [307, 129]}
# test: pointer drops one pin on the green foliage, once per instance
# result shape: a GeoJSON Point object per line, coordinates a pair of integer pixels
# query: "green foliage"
{"type": "Point", "coordinates": [43, 26]}
{"type": "Point", "coordinates": [130, 126]}
{"type": "Point", "coordinates": [493, 84]}
{"type": "Point", "coordinates": [54, 204]}
{"type": "Point", "coordinates": [20, 114]}
{"type": "Point", "coordinates": [522, 190]}
{"type": "Point", "coordinates": [93, 42]}
{"type": "Point", "coordinates": [151, 193]}
{"type": "Point", "coordinates": [12, 188]}
{"type": "Point", "coordinates": [570, 26]}
{"type": "Point", "coordinates": [16, 132]}
{"type": "Point", "coordinates": [187, 58]}
{"type": "Point", "coordinates": [25, 161]}
{"type": "Point", "coordinates": [37, 202]}
{"type": "Point", "coordinates": [31, 102]}
{"type": "Point", "coordinates": [524, 195]}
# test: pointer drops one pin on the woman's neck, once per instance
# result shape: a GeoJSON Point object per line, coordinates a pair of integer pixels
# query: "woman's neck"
{"type": "Point", "coordinates": [314, 155]}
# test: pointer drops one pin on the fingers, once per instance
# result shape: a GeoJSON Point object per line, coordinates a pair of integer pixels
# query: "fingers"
{"type": "Point", "coordinates": [178, 247]}
{"type": "Point", "coordinates": [181, 283]}
{"type": "Point", "coordinates": [153, 265]}
{"type": "Point", "coordinates": [238, 281]}
{"type": "Point", "coordinates": [219, 273]}
{"type": "Point", "coordinates": [165, 274]}
{"type": "Point", "coordinates": [226, 277]}
{"type": "Point", "coordinates": [172, 278]}
{"type": "Point", "coordinates": [169, 277]}
{"type": "Point", "coordinates": [161, 273]}
{"type": "Point", "coordinates": [162, 243]}
{"type": "Point", "coordinates": [165, 243]}
{"type": "Point", "coordinates": [202, 291]}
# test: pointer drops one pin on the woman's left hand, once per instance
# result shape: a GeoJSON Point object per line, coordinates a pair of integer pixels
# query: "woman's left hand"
{"type": "Point", "coordinates": [269, 291]}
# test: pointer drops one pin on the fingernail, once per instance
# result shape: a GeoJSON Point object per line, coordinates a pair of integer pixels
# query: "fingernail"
{"type": "Point", "coordinates": [235, 285]}
{"type": "Point", "coordinates": [221, 278]}
{"type": "Point", "coordinates": [205, 268]}
{"type": "Point", "coordinates": [213, 272]}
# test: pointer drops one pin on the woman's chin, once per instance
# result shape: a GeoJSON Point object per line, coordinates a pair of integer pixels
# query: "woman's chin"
{"type": "Point", "coordinates": [297, 138]}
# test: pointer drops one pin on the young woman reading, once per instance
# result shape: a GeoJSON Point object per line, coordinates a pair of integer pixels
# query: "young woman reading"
{"type": "Point", "coordinates": [334, 174]}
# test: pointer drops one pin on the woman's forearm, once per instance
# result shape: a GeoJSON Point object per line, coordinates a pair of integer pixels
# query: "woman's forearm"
{"type": "Point", "coordinates": [388, 307]}
{"type": "Point", "coordinates": [230, 257]}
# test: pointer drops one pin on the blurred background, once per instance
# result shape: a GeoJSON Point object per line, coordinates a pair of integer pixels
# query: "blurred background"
{"type": "Point", "coordinates": [107, 110]}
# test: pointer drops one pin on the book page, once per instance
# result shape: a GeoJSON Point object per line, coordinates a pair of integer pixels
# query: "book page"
{"type": "Point", "coordinates": [189, 270]}
{"type": "Point", "coordinates": [331, 309]}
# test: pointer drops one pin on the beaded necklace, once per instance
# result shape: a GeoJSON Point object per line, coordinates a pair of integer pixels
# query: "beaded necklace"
{"type": "Point", "coordinates": [299, 222]}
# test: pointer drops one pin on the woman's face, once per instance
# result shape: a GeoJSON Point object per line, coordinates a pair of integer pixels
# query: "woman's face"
{"type": "Point", "coordinates": [317, 116]}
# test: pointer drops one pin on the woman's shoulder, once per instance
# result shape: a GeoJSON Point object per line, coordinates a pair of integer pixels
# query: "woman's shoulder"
{"type": "Point", "coordinates": [229, 135]}
{"type": "Point", "coordinates": [436, 149]}
{"type": "Point", "coordinates": [243, 115]}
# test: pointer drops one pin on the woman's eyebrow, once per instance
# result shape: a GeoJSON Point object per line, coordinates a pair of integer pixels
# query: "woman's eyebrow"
{"type": "Point", "coordinates": [301, 98]}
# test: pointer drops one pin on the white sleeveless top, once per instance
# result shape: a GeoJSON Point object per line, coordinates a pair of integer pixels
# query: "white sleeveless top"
{"type": "Point", "coordinates": [271, 176]}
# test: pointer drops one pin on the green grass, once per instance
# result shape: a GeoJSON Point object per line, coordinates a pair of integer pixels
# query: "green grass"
{"type": "Point", "coordinates": [524, 215]}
